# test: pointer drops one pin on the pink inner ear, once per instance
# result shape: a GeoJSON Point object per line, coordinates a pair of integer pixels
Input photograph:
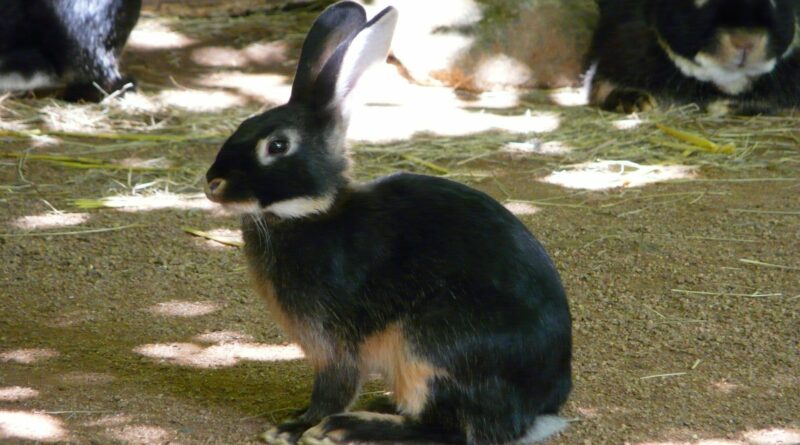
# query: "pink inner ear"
{"type": "Point", "coordinates": [369, 46]}
{"type": "Point", "coordinates": [337, 24]}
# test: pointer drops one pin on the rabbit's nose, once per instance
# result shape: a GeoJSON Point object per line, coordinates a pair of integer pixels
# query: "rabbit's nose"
{"type": "Point", "coordinates": [215, 188]}
{"type": "Point", "coordinates": [746, 42]}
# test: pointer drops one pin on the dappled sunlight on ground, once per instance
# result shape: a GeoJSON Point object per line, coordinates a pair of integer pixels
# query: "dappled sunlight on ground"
{"type": "Point", "coordinates": [223, 337]}
{"type": "Point", "coordinates": [570, 97]}
{"type": "Point", "coordinates": [536, 146]}
{"type": "Point", "coordinates": [49, 220]}
{"type": "Point", "coordinates": [150, 34]}
{"type": "Point", "coordinates": [16, 393]}
{"type": "Point", "coordinates": [724, 386]}
{"type": "Point", "coordinates": [774, 436]}
{"type": "Point", "coordinates": [387, 123]}
{"type": "Point", "coordinates": [520, 208]}
{"type": "Point", "coordinates": [219, 355]}
{"type": "Point", "coordinates": [30, 426]}
{"type": "Point", "coordinates": [388, 107]}
{"type": "Point", "coordinates": [260, 53]}
{"type": "Point", "coordinates": [501, 69]}
{"type": "Point", "coordinates": [272, 89]}
{"type": "Point", "coordinates": [199, 101]}
{"type": "Point", "coordinates": [28, 356]}
{"type": "Point", "coordinates": [143, 435]}
{"type": "Point", "coordinates": [158, 201]}
{"type": "Point", "coordinates": [603, 175]}
{"type": "Point", "coordinates": [627, 123]}
{"type": "Point", "coordinates": [422, 41]}
{"type": "Point", "coordinates": [185, 309]}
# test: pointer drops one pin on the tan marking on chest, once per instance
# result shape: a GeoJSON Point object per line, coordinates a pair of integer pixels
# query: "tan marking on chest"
{"type": "Point", "coordinates": [600, 91]}
{"type": "Point", "coordinates": [409, 376]}
{"type": "Point", "coordinates": [316, 346]}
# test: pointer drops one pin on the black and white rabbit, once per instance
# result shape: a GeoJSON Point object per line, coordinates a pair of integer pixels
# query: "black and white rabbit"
{"type": "Point", "coordinates": [76, 43]}
{"type": "Point", "coordinates": [727, 56]}
{"type": "Point", "coordinates": [431, 283]}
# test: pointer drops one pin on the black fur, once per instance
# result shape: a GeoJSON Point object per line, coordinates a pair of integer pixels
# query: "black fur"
{"type": "Point", "coordinates": [629, 56]}
{"type": "Point", "coordinates": [74, 42]}
{"type": "Point", "coordinates": [475, 294]}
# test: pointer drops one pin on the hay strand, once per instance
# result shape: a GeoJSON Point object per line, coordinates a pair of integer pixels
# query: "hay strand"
{"type": "Point", "coordinates": [69, 233]}
{"type": "Point", "coordinates": [218, 239]}
{"type": "Point", "coordinates": [763, 264]}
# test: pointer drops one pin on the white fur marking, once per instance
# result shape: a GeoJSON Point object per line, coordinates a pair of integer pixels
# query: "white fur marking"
{"type": "Point", "coordinates": [272, 437]}
{"type": "Point", "coordinates": [700, 3]}
{"type": "Point", "coordinates": [370, 46]}
{"type": "Point", "coordinates": [291, 136]}
{"type": "Point", "coordinates": [544, 427]}
{"type": "Point", "coordinates": [16, 82]}
{"type": "Point", "coordinates": [241, 208]}
{"type": "Point", "coordinates": [300, 207]}
{"type": "Point", "coordinates": [705, 69]}
{"type": "Point", "coordinates": [795, 42]}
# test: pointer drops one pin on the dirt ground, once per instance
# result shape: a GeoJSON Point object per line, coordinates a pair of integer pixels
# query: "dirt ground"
{"type": "Point", "coordinates": [119, 327]}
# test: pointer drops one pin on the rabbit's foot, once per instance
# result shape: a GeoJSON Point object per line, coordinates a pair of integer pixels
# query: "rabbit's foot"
{"type": "Point", "coordinates": [628, 101]}
{"type": "Point", "coordinates": [344, 428]}
{"type": "Point", "coordinates": [285, 434]}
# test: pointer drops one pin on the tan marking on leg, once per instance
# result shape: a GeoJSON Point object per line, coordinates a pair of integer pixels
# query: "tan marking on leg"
{"type": "Point", "coordinates": [600, 91]}
{"type": "Point", "coordinates": [309, 335]}
{"type": "Point", "coordinates": [408, 375]}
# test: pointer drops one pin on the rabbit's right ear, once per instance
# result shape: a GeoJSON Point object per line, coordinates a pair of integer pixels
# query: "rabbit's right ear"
{"type": "Point", "coordinates": [337, 24]}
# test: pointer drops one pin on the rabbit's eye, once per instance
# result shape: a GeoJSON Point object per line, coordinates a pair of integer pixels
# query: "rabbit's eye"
{"type": "Point", "coordinates": [278, 147]}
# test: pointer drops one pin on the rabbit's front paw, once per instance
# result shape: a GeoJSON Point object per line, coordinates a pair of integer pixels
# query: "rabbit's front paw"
{"type": "Point", "coordinates": [628, 101]}
{"type": "Point", "coordinates": [325, 433]}
{"type": "Point", "coordinates": [360, 426]}
{"type": "Point", "coordinates": [285, 434]}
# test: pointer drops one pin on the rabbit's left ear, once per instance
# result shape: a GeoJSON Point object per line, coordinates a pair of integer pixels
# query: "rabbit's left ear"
{"type": "Point", "coordinates": [342, 71]}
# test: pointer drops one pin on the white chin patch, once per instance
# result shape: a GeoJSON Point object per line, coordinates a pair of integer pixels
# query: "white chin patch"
{"type": "Point", "coordinates": [17, 82]}
{"type": "Point", "coordinates": [300, 207]}
{"type": "Point", "coordinates": [241, 208]}
{"type": "Point", "coordinates": [729, 81]}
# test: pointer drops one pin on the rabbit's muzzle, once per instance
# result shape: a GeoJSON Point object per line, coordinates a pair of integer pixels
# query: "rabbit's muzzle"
{"type": "Point", "coordinates": [215, 189]}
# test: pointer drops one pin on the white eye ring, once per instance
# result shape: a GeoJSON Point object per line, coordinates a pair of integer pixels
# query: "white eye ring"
{"type": "Point", "coordinates": [264, 150]}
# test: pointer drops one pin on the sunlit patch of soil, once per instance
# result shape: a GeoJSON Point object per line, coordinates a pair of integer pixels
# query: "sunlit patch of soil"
{"type": "Point", "coordinates": [28, 356]}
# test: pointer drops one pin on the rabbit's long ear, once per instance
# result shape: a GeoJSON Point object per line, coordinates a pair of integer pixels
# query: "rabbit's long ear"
{"type": "Point", "coordinates": [337, 24]}
{"type": "Point", "coordinates": [340, 74]}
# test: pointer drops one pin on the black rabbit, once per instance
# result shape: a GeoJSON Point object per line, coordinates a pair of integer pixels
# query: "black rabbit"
{"type": "Point", "coordinates": [429, 282]}
{"type": "Point", "coordinates": [51, 43]}
{"type": "Point", "coordinates": [727, 56]}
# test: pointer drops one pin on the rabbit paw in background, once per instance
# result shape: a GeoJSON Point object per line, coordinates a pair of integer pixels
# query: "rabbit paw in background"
{"type": "Point", "coordinates": [624, 100]}
{"type": "Point", "coordinates": [286, 433]}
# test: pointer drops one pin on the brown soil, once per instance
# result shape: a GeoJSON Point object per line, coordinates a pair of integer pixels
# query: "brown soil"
{"type": "Point", "coordinates": [677, 339]}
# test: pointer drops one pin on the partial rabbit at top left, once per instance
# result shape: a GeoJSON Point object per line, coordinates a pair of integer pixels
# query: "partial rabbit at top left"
{"type": "Point", "coordinates": [74, 44]}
